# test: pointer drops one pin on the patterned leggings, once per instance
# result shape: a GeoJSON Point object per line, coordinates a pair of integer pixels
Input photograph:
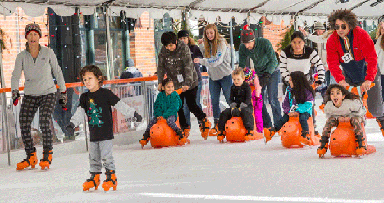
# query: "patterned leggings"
{"type": "Point", "coordinates": [30, 105]}
{"type": "Point", "coordinates": [333, 122]}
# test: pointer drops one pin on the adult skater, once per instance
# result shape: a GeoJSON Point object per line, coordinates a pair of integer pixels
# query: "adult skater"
{"type": "Point", "coordinates": [38, 64]}
{"type": "Point", "coordinates": [353, 49]}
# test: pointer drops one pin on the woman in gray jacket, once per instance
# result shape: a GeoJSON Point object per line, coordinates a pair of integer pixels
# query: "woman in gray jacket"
{"type": "Point", "coordinates": [217, 59]}
{"type": "Point", "coordinates": [38, 64]}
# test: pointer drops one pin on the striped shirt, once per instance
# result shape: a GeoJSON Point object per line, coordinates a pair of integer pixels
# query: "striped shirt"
{"type": "Point", "coordinates": [290, 63]}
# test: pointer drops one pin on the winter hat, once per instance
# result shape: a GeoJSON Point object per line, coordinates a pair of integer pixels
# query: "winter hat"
{"type": "Point", "coordinates": [247, 35]}
{"type": "Point", "coordinates": [32, 27]}
{"type": "Point", "coordinates": [131, 63]}
{"type": "Point", "coordinates": [182, 33]}
{"type": "Point", "coordinates": [249, 74]}
{"type": "Point", "coordinates": [319, 26]}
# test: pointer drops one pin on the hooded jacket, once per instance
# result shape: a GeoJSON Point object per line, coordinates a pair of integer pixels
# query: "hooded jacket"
{"type": "Point", "coordinates": [177, 62]}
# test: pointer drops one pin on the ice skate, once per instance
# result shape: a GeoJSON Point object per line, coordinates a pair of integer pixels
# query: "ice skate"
{"type": "Point", "coordinates": [110, 181]}
{"type": "Point", "coordinates": [186, 131]}
{"type": "Point", "coordinates": [46, 160]}
{"type": "Point", "coordinates": [248, 135]}
{"type": "Point", "coordinates": [305, 138]}
{"type": "Point", "coordinates": [220, 136]}
{"type": "Point", "coordinates": [381, 125]}
{"type": "Point", "coordinates": [268, 134]}
{"type": "Point", "coordinates": [214, 131]}
{"type": "Point", "coordinates": [204, 127]}
{"type": "Point", "coordinates": [361, 148]}
{"type": "Point", "coordinates": [93, 181]}
{"type": "Point", "coordinates": [323, 146]}
{"type": "Point", "coordinates": [31, 160]}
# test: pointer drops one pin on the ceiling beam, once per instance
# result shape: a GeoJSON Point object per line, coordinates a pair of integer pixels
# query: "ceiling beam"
{"type": "Point", "coordinates": [359, 4]}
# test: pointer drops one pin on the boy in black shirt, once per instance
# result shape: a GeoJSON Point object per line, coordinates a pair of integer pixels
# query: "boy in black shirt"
{"type": "Point", "coordinates": [97, 103]}
{"type": "Point", "coordinates": [241, 103]}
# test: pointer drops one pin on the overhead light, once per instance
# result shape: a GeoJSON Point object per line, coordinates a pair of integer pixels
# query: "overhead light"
{"type": "Point", "coordinates": [344, 1]}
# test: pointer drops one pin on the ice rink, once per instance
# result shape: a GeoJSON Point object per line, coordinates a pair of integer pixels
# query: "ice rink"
{"type": "Point", "coordinates": [208, 171]}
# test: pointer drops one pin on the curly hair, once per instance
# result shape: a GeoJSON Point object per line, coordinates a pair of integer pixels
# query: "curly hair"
{"type": "Point", "coordinates": [345, 15]}
{"type": "Point", "coordinates": [348, 94]}
{"type": "Point", "coordinates": [93, 69]}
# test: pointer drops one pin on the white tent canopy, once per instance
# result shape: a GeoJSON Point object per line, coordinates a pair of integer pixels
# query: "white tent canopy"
{"type": "Point", "coordinates": [210, 9]}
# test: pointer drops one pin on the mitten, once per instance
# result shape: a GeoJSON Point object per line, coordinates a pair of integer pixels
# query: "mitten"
{"type": "Point", "coordinates": [63, 100]}
{"type": "Point", "coordinates": [15, 97]}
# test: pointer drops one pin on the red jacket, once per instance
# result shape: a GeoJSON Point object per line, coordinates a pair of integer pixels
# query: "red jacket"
{"type": "Point", "coordinates": [363, 49]}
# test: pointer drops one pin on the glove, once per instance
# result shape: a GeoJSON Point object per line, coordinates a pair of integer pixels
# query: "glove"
{"type": "Point", "coordinates": [264, 79]}
{"type": "Point", "coordinates": [318, 82]}
{"type": "Point", "coordinates": [235, 112]}
{"type": "Point", "coordinates": [71, 129]}
{"type": "Point", "coordinates": [63, 100]}
{"type": "Point", "coordinates": [233, 105]}
{"type": "Point", "coordinates": [243, 105]}
{"type": "Point", "coordinates": [138, 117]}
{"type": "Point", "coordinates": [15, 96]}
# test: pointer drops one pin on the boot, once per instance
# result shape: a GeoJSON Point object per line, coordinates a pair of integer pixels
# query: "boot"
{"type": "Point", "coordinates": [361, 148]}
{"type": "Point", "coordinates": [381, 124]}
{"type": "Point", "coordinates": [220, 136]}
{"type": "Point", "coordinates": [323, 146]}
{"type": "Point", "coordinates": [110, 181]}
{"type": "Point", "coordinates": [304, 138]}
{"type": "Point", "coordinates": [31, 160]}
{"type": "Point", "coordinates": [214, 131]}
{"type": "Point", "coordinates": [93, 181]}
{"type": "Point", "coordinates": [269, 133]}
{"type": "Point", "coordinates": [249, 134]}
{"type": "Point", "coordinates": [186, 131]}
{"type": "Point", "coordinates": [46, 160]}
{"type": "Point", "coordinates": [204, 127]}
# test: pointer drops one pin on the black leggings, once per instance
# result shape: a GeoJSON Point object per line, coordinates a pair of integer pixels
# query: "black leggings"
{"type": "Point", "coordinates": [190, 98]}
{"type": "Point", "coordinates": [45, 104]}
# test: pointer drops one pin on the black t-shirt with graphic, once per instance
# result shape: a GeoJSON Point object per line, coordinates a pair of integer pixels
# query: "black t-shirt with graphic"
{"type": "Point", "coordinates": [97, 106]}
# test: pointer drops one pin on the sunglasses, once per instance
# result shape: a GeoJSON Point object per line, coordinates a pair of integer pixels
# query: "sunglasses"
{"type": "Point", "coordinates": [343, 26]}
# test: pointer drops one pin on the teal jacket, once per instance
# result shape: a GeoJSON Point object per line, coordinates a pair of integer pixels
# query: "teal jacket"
{"type": "Point", "coordinates": [166, 106]}
{"type": "Point", "coordinates": [263, 56]}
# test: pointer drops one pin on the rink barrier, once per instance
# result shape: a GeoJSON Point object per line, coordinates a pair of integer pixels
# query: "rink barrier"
{"type": "Point", "coordinates": [140, 92]}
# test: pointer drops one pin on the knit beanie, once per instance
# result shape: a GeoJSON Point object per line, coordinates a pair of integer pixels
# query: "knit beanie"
{"type": "Point", "coordinates": [247, 35]}
{"type": "Point", "coordinates": [182, 33]}
{"type": "Point", "coordinates": [319, 26]}
{"type": "Point", "coordinates": [32, 27]}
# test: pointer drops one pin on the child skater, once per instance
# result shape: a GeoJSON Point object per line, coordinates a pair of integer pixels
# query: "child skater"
{"type": "Point", "coordinates": [97, 103]}
{"type": "Point", "coordinates": [342, 103]}
{"type": "Point", "coordinates": [257, 99]}
{"type": "Point", "coordinates": [240, 97]}
{"type": "Point", "coordinates": [298, 100]}
{"type": "Point", "coordinates": [166, 106]}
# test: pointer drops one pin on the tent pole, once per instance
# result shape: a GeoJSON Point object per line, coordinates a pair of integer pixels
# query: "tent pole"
{"type": "Point", "coordinates": [231, 38]}
{"type": "Point", "coordinates": [110, 68]}
{"type": "Point", "coordinates": [4, 123]}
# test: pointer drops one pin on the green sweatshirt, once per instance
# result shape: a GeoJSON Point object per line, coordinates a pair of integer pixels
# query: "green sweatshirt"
{"type": "Point", "coordinates": [166, 106]}
{"type": "Point", "coordinates": [262, 54]}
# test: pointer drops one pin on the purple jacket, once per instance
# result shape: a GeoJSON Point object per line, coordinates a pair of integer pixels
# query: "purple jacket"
{"type": "Point", "coordinates": [289, 101]}
{"type": "Point", "coordinates": [257, 110]}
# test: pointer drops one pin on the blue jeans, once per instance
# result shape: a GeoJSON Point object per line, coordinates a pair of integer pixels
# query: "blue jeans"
{"type": "Point", "coordinates": [272, 90]}
{"type": "Point", "coordinates": [187, 113]}
{"type": "Point", "coordinates": [215, 88]}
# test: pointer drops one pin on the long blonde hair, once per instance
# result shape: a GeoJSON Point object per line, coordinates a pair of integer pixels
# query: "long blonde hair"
{"type": "Point", "coordinates": [211, 46]}
{"type": "Point", "coordinates": [378, 34]}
